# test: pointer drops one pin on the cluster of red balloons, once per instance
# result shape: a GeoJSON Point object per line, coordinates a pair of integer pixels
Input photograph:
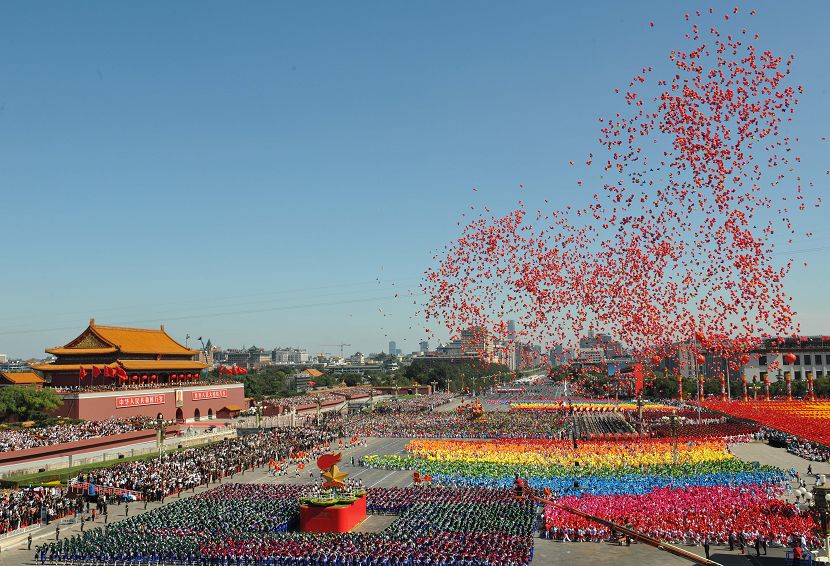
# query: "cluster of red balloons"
{"type": "Point", "coordinates": [676, 246]}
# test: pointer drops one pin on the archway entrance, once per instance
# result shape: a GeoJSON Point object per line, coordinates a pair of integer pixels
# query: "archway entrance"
{"type": "Point", "coordinates": [197, 415]}
{"type": "Point", "coordinates": [210, 413]}
{"type": "Point", "coordinates": [179, 415]}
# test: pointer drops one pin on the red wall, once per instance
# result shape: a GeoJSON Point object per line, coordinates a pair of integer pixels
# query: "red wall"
{"type": "Point", "coordinates": [334, 519]}
{"type": "Point", "coordinates": [96, 406]}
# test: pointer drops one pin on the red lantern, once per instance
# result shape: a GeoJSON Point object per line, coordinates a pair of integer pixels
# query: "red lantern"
{"type": "Point", "coordinates": [790, 358]}
{"type": "Point", "coordinates": [701, 359]}
{"type": "Point", "coordinates": [143, 378]}
{"type": "Point", "coordinates": [153, 377]}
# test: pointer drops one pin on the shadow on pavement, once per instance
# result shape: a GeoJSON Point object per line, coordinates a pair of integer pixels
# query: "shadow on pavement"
{"type": "Point", "coordinates": [738, 559]}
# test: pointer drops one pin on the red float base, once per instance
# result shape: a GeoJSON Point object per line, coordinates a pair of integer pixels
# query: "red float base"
{"type": "Point", "coordinates": [334, 519]}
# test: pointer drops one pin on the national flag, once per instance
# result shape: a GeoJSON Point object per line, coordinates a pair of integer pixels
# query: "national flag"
{"type": "Point", "coordinates": [95, 372]}
{"type": "Point", "coordinates": [81, 372]}
{"type": "Point", "coordinates": [638, 379]}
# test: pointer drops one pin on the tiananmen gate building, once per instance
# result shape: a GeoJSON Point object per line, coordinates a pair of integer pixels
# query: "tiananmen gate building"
{"type": "Point", "coordinates": [123, 372]}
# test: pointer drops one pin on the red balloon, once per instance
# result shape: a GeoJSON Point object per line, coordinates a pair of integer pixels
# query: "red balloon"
{"type": "Point", "coordinates": [701, 359]}
{"type": "Point", "coordinates": [790, 358]}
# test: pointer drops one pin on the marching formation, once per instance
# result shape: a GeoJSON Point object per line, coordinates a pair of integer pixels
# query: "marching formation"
{"type": "Point", "coordinates": [248, 524]}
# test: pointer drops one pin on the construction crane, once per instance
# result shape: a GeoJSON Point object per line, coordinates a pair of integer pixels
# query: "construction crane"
{"type": "Point", "coordinates": [341, 346]}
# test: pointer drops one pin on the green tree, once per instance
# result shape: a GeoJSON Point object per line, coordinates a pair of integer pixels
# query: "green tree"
{"type": "Point", "coordinates": [27, 403]}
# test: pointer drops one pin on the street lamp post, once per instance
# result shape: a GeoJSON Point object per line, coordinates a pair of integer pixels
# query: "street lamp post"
{"type": "Point", "coordinates": [674, 422]}
{"type": "Point", "coordinates": [640, 413]}
{"type": "Point", "coordinates": [208, 362]}
{"type": "Point", "coordinates": [728, 381]}
{"type": "Point", "coordinates": [159, 434]}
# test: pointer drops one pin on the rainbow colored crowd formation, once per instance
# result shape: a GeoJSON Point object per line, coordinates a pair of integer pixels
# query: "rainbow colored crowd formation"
{"type": "Point", "coordinates": [711, 492]}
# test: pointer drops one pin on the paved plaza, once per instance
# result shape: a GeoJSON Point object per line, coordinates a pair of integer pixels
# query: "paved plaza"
{"type": "Point", "coordinates": [14, 551]}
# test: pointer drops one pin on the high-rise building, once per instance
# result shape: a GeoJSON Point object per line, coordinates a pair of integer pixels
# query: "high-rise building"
{"type": "Point", "coordinates": [511, 329]}
{"type": "Point", "coordinates": [289, 356]}
{"type": "Point", "coordinates": [423, 346]}
{"type": "Point", "coordinates": [477, 340]}
{"type": "Point", "coordinates": [592, 355]}
{"type": "Point", "coordinates": [605, 342]}
{"type": "Point", "coordinates": [393, 348]}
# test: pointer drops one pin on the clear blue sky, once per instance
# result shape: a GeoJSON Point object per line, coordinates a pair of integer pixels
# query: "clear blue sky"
{"type": "Point", "coordinates": [263, 173]}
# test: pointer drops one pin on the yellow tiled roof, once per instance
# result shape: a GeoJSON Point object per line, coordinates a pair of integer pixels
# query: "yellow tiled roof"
{"type": "Point", "coordinates": [313, 372]}
{"type": "Point", "coordinates": [21, 377]}
{"type": "Point", "coordinates": [141, 340]}
{"type": "Point", "coordinates": [110, 339]}
{"type": "Point", "coordinates": [232, 407]}
{"type": "Point", "coordinates": [63, 351]}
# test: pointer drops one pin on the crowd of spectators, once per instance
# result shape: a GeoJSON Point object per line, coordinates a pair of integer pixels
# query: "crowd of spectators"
{"type": "Point", "coordinates": [171, 474]}
{"type": "Point", "coordinates": [794, 445]}
{"type": "Point", "coordinates": [134, 386]}
{"type": "Point", "coordinates": [304, 400]}
{"type": "Point", "coordinates": [20, 508]}
{"type": "Point", "coordinates": [414, 405]}
{"type": "Point", "coordinates": [23, 438]}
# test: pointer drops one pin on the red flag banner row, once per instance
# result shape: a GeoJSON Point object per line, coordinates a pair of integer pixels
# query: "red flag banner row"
{"type": "Point", "coordinates": [232, 370]}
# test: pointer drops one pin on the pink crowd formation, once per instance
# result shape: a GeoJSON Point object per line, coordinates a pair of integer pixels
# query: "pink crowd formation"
{"type": "Point", "coordinates": [691, 515]}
